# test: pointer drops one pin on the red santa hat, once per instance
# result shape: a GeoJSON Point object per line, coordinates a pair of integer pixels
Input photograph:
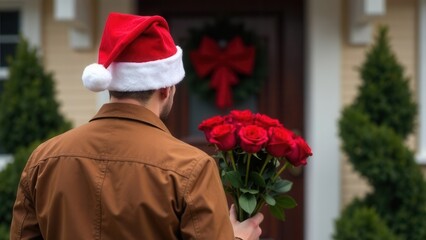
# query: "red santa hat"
{"type": "Point", "coordinates": [136, 53]}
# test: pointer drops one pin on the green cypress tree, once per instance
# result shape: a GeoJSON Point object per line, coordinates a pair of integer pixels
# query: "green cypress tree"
{"type": "Point", "coordinates": [373, 131]}
{"type": "Point", "coordinates": [28, 110]}
{"type": "Point", "coordinates": [29, 114]}
{"type": "Point", "coordinates": [362, 223]}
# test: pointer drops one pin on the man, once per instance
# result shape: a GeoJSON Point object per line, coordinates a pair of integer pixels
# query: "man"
{"type": "Point", "coordinates": [123, 175]}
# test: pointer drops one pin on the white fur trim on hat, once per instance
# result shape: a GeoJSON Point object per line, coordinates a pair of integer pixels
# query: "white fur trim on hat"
{"type": "Point", "coordinates": [96, 77]}
{"type": "Point", "coordinates": [132, 77]}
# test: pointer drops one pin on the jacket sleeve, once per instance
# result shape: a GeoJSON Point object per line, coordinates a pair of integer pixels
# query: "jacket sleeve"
{"type": "Point", "coordinates": [24, 221]}
{"type": "Point", "coordinates": [206, 215]}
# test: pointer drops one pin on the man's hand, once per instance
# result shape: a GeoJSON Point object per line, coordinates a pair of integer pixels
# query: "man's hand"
{"type": "Point", "coordinates": [247, 230]}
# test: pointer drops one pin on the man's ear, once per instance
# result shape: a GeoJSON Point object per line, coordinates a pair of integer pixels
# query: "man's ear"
{"type": "Point", "coordinates": [164, 92]}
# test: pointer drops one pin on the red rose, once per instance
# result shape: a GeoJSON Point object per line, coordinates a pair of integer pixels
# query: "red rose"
{"type": "Point", "coordinates": [253, 138]}
{"type": "Point", "coordinates": [280, 141]}
{"type": "Point", "coordinates": [241, 117]}
{"type": "Point", "coordinates": [265, 121]}
{"type": "Point", "coordinates": [223, 136]}
{"type": "Point", "coordinates": [299, 153]}
{"type": "Point", "coordinates": [207, 125]}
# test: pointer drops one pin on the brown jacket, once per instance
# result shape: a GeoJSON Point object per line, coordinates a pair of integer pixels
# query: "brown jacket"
{"type": "Point", "coordinates": [120, 176]}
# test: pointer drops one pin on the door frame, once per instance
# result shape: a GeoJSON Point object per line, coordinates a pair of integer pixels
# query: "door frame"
{"type": "Point", "coordinates": [323, 104]}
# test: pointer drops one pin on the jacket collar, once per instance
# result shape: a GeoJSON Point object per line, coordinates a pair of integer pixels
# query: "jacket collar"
{"type": "Point", "coordinates": [130, 112]}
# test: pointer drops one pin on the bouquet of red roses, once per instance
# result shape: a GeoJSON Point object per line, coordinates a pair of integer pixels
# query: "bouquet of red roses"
{"type": "Point", "coordinates": [253, 150]}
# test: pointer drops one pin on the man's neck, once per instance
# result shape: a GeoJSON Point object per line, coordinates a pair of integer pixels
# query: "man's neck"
{"type": "Point", "coordinates": [149, 105]}
{"type": "Point", "coordinates": [126, 100]}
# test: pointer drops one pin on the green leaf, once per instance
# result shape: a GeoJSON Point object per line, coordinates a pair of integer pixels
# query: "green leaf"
{"type": "Point", "coordinates": [219, 155]}
{"type": "Point", "coordinates": [277, 212]}
{"type": "Point", "coordinates": [223, 172]}
{"type": "Point", "coordinates": [282, 203]}
{"type": "Point", "coordinates": [258, 179]}
{"type": "Point", "coordinates": [247, 202]}
{"type": "Point", "coordinates": [282, 186]}
{"type": "Point", "coordinates": [223, 165]}
{"type": "Point", "coordinates": [234, 178]}
{"type": "Point", "coordinates": [251, 191]}
{"type": "Point", "coordinates": [268, 173]}
{"type": "Point", "coordinates": [269, 200]}
{"type": "Point", "coordinates": [285, 202]}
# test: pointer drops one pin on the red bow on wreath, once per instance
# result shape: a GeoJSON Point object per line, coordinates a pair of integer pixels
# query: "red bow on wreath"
{"type": "Point", "coordinates": [223, 64]}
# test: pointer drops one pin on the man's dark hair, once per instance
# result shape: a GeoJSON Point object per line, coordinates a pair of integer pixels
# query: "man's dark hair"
{"type": "Point", "coordinates": [142, 96]}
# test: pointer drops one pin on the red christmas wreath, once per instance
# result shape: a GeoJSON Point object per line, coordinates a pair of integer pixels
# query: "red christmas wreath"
{"type": "Point", "coordinates": [224, 62]}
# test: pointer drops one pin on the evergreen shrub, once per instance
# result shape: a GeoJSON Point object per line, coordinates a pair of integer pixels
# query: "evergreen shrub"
{"type": "Point", "coordinates": [374, 130]}
{"type": "Point", "coordinates": [28, 110]}
{"type": "Point", "coordinates": [362, 223]}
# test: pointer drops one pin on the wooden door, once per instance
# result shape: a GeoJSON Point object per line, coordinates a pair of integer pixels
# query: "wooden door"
{"type": "Point", "coordinates": [280, 25]}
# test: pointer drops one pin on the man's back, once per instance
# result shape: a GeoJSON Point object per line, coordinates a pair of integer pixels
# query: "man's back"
{"type": "Point", "coordinates": [121, 176]}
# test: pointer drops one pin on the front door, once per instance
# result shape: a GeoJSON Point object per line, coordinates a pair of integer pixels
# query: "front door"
{"type": "Point", "coordinates": [279, 26]}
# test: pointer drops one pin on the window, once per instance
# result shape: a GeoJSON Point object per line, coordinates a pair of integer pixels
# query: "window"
{"type": "Point", "coordinates": [9, 38]}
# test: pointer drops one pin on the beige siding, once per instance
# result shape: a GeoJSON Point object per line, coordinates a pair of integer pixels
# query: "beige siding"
{"type": "Point", "coordinates": [401, 19]}
{"type": "Point", "coordinates": [77, 103]}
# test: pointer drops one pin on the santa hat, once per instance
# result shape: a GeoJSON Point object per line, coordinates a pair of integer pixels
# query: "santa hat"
{"type": "Point", "coordinates": [136, 53]}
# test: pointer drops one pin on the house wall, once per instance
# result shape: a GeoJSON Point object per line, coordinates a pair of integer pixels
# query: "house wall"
{"type": "Point", "coordinates": [66, 64]}
{"type": "Point", "coordinates": [401, 18]}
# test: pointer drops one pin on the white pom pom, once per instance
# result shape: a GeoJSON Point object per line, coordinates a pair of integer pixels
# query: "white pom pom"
{"type": "Point", "coordinates": [96, 77]}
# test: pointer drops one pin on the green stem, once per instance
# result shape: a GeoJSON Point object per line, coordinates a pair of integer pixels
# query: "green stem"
{"type": "Point", "coordinates": [239, 209]}
{"type": "Point", "coordinates": [280, 171]}
{"type": "Point", "coordinates": [247, 169]}
{"type": "Point", "coordinates": [231, 156]}
{"type": "Point", "coordinates": [240, 214]}
{"type": "Point", "coordinates": [268, 158]}
{"type": "Point", "coordinates": [259, 206]}
{"type": "Point", "coordinates": [226, 161]}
